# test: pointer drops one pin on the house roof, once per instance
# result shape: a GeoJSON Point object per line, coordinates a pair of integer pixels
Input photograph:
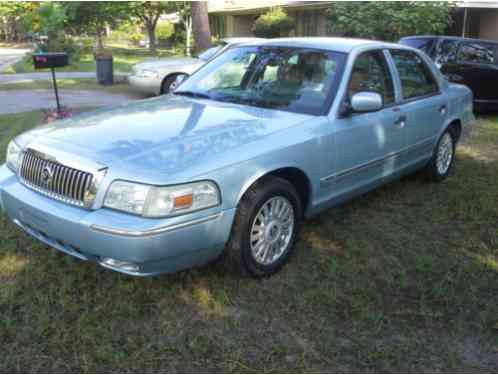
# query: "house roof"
{"type": "Point", "coordinates": [478, 4]}
{"type": "Point", "coordinates": [239, 6]}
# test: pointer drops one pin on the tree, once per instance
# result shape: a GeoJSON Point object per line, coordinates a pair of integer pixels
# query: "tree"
{"type": "Point", "coordinates": [183, 9]}
{"type": "Point", "coordinates": [85, 17]}
{"type": "Point", "coordinates": [14, 19]}
{"type": "Point", "coordinates": [388, 20]}
{"type": "Point", "coordinates": [148, 12]}
{"type": "Point", "coordinates": [200, 22]}
{"type": "Point", "coordinates": [273, 24]}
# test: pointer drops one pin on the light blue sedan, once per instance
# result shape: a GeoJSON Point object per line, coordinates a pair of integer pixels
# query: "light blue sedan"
{"type": "Point", "coordinates": [258, 139]}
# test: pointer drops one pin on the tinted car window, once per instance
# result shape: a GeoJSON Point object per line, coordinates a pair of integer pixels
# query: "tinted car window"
{"type": "Point", "coordinates": [424, 44]}
{"type": "Point", "coordinates": [446, 51]}
{"type": "Point", "coordinates": [416, 78]}
{"type": "Point", "coordinates": [370, 73]}
{"type": "Point", "coordinates": [476, 53]}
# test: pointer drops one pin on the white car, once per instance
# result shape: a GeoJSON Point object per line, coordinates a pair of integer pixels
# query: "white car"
{"type": "Point", "coordinates": [161, 76]}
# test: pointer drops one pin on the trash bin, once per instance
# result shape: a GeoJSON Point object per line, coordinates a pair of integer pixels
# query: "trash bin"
{"type": "Point", "coordinates": [105, 74]}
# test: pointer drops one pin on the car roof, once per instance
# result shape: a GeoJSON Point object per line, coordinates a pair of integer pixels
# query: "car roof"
{"type": "Point", "coordinates": [241, 40]}
{"type": "Point", "coordinates": [332, 44]}
{"type": "Point", "coordinates": [449, 37]}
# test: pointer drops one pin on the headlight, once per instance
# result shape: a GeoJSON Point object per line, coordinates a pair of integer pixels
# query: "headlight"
{"type": "Point", "coordinates": [13, 156]}
{"type": "Point", "coordinates": [147, 74]}
{"type": "Point", "coordinates": [157, 201]}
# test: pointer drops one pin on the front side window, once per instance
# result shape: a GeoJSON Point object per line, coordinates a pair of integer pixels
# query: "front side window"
{"type": "Point", "coordinates": [286, 78]}
{"type": "Point", "coordinates": [478, 53]}
{"type": "Point", "coordinates": [370, 73]}
{"type": "Point", "coordinates": [416, 78]}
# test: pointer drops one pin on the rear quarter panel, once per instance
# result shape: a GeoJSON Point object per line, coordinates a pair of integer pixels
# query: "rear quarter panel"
{"type": "Point", "coordinates": [460, 107]}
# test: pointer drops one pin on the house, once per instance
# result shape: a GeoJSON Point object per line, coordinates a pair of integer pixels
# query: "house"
{"type": "Point", "coordinates": [476, 19]}
{"type": "Point", "coordinates": [235, 18]}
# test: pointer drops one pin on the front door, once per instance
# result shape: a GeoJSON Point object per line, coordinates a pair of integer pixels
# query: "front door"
{"type": "Point", "coordinates": [366, 142]}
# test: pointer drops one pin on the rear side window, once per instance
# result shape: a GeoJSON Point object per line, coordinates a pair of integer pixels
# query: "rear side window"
{"type": "Point", "coordinates": [416, 77]}
{"type": "Point", "coordinates": [479, 53]}
{"type": "Point", "coordinates": [423, 44]}
{"type": "Point", "coordinates": [446, 51]}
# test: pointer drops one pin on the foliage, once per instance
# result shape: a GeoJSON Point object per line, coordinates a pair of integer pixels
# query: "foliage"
{"type": "Point", "coordinates": [16, 19]}
{"type": "Point", "coordinates": [389, 20]}
{"type": "Point", "coordinates": [92, 19]}
{"type": "Point", "coordinates": [164, 30]}
{"type": "Point", "coordinates": [148, 12]}
{"type": "Point", "coordinates": [273, 24]}
{"type": "Point", "coordinates": [47, 19]}
{"type": "Point", "coordinates": [135, 38]}
{"type": "Point", "coordinates": [124, 32]}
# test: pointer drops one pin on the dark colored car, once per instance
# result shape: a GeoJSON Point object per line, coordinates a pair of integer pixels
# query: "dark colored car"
{"type": "Point", "coordinates": [472, 62]}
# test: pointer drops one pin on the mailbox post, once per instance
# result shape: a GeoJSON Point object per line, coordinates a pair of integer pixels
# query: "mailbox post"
{"type": "Point", "coordinates": [51, 61]}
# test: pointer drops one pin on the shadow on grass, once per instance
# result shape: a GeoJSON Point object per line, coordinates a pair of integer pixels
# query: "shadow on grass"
{"type": "Point", "coordinates": [401, 279]}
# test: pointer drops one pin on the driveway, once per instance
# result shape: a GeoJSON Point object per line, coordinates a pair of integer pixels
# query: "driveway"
{"type": "Point", "coordinates": [9, 56]}
{"type": "Point", "coordinates": [15, 101]}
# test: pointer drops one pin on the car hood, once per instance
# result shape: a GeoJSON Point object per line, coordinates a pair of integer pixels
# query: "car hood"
{"type": "Point", "coordinates": [166, 63]}
{"type": "Point", "coordinates": [166, 135]}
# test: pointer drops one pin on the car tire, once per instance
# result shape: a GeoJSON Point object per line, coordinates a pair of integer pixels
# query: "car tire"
{"type": "Point", "coordinates": [170, 83]}
{"type": "Point", "coordinates": [442, 161]}
{"type": "Point", "coordinates": [270, 211]}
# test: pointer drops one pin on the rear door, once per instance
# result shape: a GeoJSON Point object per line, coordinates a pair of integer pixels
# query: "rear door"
{"type": "Point", "coordinates": [475, 67]}
{"type": "Point", "coordinates": [422, 103]}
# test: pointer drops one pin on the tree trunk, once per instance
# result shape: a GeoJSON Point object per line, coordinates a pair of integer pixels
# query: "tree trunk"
{"type": "Point", "coordinates": [151, 33]}
{"type": "Point", "coordinates": [200, 22]}
{"type": "Point", "coordinates": [100, 43]}
{"type": "Point", "coordinates": [188, 36]}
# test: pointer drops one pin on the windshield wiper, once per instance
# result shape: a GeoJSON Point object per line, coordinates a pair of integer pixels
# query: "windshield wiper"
{"type": "Point", "coordinates": [192, 94]}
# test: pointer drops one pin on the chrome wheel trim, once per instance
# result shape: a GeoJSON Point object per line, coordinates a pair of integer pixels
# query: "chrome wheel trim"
{"type": "Point", "coordinates": [444, 154]}
{"type": "Point", "coordinates": [272, 230]}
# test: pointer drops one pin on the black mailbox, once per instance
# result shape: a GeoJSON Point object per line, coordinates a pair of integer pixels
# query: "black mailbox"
{"type": "Point", "coordinates": [50, 60]}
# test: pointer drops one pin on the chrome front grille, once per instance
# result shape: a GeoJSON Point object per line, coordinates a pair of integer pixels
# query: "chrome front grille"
{"type": "Point", "coordinates": [54, 179]}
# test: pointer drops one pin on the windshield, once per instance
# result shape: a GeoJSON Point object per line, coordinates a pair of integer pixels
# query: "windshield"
{"type": "Point", "coordinates": [292, 79]}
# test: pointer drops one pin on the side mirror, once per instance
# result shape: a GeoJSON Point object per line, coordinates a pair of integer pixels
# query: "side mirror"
{"type": "Point", "coordinates": [366, 101]}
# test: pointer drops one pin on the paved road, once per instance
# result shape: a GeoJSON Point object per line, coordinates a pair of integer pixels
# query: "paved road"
{"type": "Point", "coordinates": [28, 77]}
{"type": "Point", "coordinates": [15, 101]}
{"type": "Point", "coordinates": [10, 56]}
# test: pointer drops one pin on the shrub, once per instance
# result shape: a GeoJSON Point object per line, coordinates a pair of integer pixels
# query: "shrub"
{"type": "Point", "coordinates": [135, 38]}
{"type": "Point", "coordinates": [164, 31]}
{"type": "Point", "coordinates": [388, 20]}
{"type": "Point", "coordinates": [273, 24]}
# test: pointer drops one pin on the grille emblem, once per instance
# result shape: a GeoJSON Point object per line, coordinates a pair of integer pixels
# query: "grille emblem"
{"type": "Point", "coordinates": [47, 175]}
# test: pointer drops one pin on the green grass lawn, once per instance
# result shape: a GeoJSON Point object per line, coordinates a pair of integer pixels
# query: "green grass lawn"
{"type": "Point", "coordinates": [403, 279]}
{"type": "Point", "coordinates": [124, 59]}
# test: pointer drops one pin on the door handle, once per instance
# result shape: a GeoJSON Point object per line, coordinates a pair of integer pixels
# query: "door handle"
{"type": "Point", "coordinates": [442, 110]}
{"type": "Point", "coordinates": [400, 122]}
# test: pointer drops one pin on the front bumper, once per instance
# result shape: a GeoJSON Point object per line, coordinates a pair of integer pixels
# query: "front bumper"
{"type": "Point", "coordinates": [145, 85]}
{"type": "Point", "coordinates": [154, 246]}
